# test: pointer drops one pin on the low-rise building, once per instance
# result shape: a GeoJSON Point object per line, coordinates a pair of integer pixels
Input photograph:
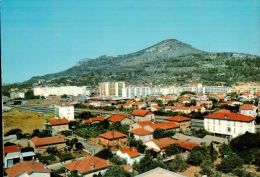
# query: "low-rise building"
{"type": "Point", "coordinates": [248, 110]}
{"type": "Point", "coordinates": [112, 138]}
{"type": "Point", "coordinates": [229, 124]}
{"type": "Point", "coordinates": [41, 144]}
{"type": "Point", "coordinates": [183, 122]}
{"type": "Point", "coordinates": [142, 134]}
{"type": "Point", "coordinates": [93, 120]}
{"type": "Point", "coordinates": [87, 167]}
{"type": "Point", "coordinates": [130, 154]}
{"type": "Point", "coordinates": [64, 110]}
{"type": "Point", "coordinates": [57, 125]}
{"type": "Point", "coordinates": [142, 115]}
{"type": "Point", "coordinates": [122, 119]}
{"type": "Point", "coordinates": [28, 169]}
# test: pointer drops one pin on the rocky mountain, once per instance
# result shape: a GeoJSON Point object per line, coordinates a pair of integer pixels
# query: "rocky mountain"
{"type": "Point", "coordinates": [167, 62]}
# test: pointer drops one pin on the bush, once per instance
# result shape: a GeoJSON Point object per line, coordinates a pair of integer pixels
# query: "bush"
{"type": "Point", "coordinates": [178, 164]}
{"type": "Point", "coordinates": [79, 146]}
{"type": "Point", "coordinates": [117, 160]}
{"type": "Point", "coordinates": [171, 150]}
{"type": "Point", "coordinates": [160, 133]}
{"type": "Point", "coordinates": [104, 154]}
{"type": "Point", "coordinates": [116, 171]}
{"type": "Point", "coordinates": [229, 163]}
{"type": "Point", "coordinates": [65, 157]}
{"type": "Point", "coordinates": [53, 150]}
{"type": "Point", "coordinates": [27, 149]}
{"type": "Point", "coordinates": [207, 168]}
{"type": "Point", "coordinates": [45, 159]}
{"type": "Point", "coordinates": [197, 155]}
{"type": "Point", "coordinates": [138, 144]}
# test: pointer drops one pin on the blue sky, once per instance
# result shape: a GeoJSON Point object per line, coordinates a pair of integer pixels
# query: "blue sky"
{"type": "Point", "coordinates": [46, 36]}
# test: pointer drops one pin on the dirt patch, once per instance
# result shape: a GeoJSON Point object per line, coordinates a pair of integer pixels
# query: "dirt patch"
{"type": "Point", "coordinates": [190, 172]}
{"type": "Point", "coordinates": [26, 120]}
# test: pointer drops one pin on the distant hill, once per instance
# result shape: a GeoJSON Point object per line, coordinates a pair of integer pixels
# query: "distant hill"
{"type": "Point", "coordinates": [168, 62]}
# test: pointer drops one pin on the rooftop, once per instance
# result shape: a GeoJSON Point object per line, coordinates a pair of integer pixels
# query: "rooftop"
{"type": "Point", "coordinates": [230, 116]}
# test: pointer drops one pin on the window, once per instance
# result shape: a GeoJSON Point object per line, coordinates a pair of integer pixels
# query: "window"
{"type": "Point", "coordinates": [219, 122]}
{"type": "Point", "coordinates": [228, 129]}
{"type": "Point", "coordinates": [213, 121]}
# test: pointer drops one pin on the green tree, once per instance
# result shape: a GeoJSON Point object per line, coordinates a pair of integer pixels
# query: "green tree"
{"type": "Point", "coordinates": [197, 155]}
{"type": "Point", "coordinates": [230, 162]}
{"type": "Point", "coordinates": [207, 167]}
{"type": "Point", "coordinates": [171, 150]}
{"type": "Point", "coordinates": [178, 164]}
{"type": "Point", "coordinates": [116, 171]}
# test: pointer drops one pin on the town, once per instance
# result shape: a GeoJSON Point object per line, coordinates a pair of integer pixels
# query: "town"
{"type": "Point", "coordinates": [116, 129]}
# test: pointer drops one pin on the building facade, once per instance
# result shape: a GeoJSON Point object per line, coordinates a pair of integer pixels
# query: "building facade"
{"type": "Point", "coordinates": [112, 89]}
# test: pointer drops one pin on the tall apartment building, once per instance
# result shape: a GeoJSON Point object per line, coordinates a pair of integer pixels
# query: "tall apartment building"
{"type": "Point", "coordinates": [64, 110]}
{"type": "Point", "coordinates": [58, 91]}
{"type": "Point", "coordinates": [135, 91]}
{"type": "Point", "coordinates": [112, 89]}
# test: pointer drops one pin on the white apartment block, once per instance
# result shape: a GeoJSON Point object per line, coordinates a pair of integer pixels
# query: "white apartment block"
{"type": "Point", "coordinates": [134, 91]}
{"type": "Point", "coordinates": [112, 89]}
{"type": "Point", "coordinates": [64, 110]}
{"type": "Point", "coordinates": [14, 95]}
{"type": "Point", "coordinates": [229, 124]}
{"type": "Point", "coordinates": [248, 110]}
{"type": "Point", "coordinates": [58, 91]}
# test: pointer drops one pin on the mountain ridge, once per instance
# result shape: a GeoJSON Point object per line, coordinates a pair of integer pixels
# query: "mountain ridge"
{"type": "Point", "coordinates": [171, 56]}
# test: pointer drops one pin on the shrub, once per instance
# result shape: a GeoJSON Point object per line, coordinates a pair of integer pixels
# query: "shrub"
{"type": "Point", "coordinates": [229, 163]}
{"type": "Point", "coordinates": [178, 164]}
{"type": "Point", "coordinates": [65, 157]}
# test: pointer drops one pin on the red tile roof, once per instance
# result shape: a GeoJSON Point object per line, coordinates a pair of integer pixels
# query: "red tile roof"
{"type": "Point", "coordinates": [179, 119]}
{"type": "Point", "coordinates": [62, 121]}
{"type": "Point", "coordinates": [140, 131]}
{"type": "Point", "coordinates": [26, 167]}
{"type": "Point", "coordinates": [164, 125]}
{"type": "Point", "coordinates": [223, 111]}
{"type": "Point", "coordinates": [48, 140]}
{"type": "Point", "coordinates": [138, 103]}
{"type": "Point", "coordinates": [131, 151]}
{"type": "Point", "coordinates": [87, 165]}
{"type": "Point", "coordinates": [230, 116]}
{"type": "Point", "coordinates": [186, 145]}
{"type": "Point", "coordinates": [141, 112]}
{"type": "Point", "coordinates": [144, 123]}
{"type": "Point", "coordinates": [93, 119]}
{"type": "Point", "coordinates": [247, 107]}
{"type": "Point", "coordinates": [113, 135]}
{"type": "Point", "coordinates": [116, 118]}
{"type": "Point", "coordinates": [163, 143]}
{"type": "Point", "coordinates": [11, 148]}
{"type": "Point", "coordinates": [195, 107]}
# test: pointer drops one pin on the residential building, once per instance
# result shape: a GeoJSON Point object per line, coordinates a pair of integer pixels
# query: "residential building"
{"type": "Point", "coordinates": [28, 169]}
{"type": "Point", "coordinates": [159, 172]}
{"type": "Point", "coordinates": [135, 91]}
{"type": "Point", "coordinates": [55, 126]}
{"type": "Point", "coordinates": [112, 138]}
{"type": "Point", "coordinates": [122, 119]}
{"type": "Point", "coordinates": [182, 109]}
{"type": "Point", "coordinates": [183, 122]}
{"type": "Point", "coordinates": [112, 89]}
{"type": "Point", "coordinates": [62, 90]}
{"type": "Point", "coordinates": [41, 144]}
{"type": "Point", "coordinates": [229, 124]}
{"type": "Point", "coordinates": [139, 105]}
{"type": "Point", "coordinates": [93, 120]}
{"type": "Point", "coordinates": [64, 110]}
{"type": "Point", "coordinates": [88, 167]}
{"type": "Point", "coordinates": [197, 109]}
{"type": "Point", "coordinates": [142, 134]}
{"type": "Point", "coordinates": [159, 145]}
{"type": "Point", "coordinates": [130, 154]}
{"type": "Point", "coordinates": [14, 95]}
{"type": "Point", "coordinates": [248, 110]}
{"type": "Point", "coordinates": [142, 115]}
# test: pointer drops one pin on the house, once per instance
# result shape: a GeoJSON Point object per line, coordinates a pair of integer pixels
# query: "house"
{"type": "Point", "coordinates": [139, 105]}
{"type": "Point", "coordinates": [207, 104]}
{"type": "Point", "coordinates": [155, 108]}
{"type": "Point", "coordinates": [57, 125]}
{"type": "Point", "coordinates": [159, 145]}
{"type": "Point", "coordinates": [150, 126]}
{"type": "Point", "coordinates": [28, 169]}
{"type": "Point", "coordinates": [93, 120]}
{"type": "Point", "coordinates": [248, 110]}
{"type": "Point", "coordinates": [197, 109]}
{"type": "Point", "coordinates": [130, 154]}
{"type": "Point", "coordinates": [42, 144]}
{"type": "Point", "coordinates": [183, 122]}
{"type": "Point", "coordinates": [13, 155]}
{"type": "Point", "coordinates": [64, 110]}
{"type": "Point", "coordinates": [112, 138]}
{"type": "Point", "coordinates": [229, 124]}
{"type": "Point", "coordinates": [182, 109]}
{"type": "Point", "coordinates": [159, 172]}
{"type": "Point", "coordinates": [128, 104]}
{"type": "Point", "coordinates": [88, 166]}
{"type": "Point", "coordinates": [185, 100]}
{"type": "Point", "coordinates": [142, 134]}
{"type": "Point", "coordinates": [122, 119]}
{"type": "Point", "coordinates": [142, 115]}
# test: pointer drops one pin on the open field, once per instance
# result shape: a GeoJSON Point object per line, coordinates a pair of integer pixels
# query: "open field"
{"type": "Point", "coordinates": [41, 102]}
{"type": "Point", "coordinates": [26, 120]}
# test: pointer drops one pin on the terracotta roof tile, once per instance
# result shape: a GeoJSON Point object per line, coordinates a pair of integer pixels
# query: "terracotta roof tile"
{"type": "Point", "coordinates": [11, 148]}
{"type": "Point", "coordinates": [116, 118]}
{"type": "Point", "coordinates": [163, 143]}
{"type": "Point", "coordinates": [93, 119]}
{"type": "Point", "coordinates": [113, 135]}
{"type": "Point", "coordinates": [230, 116]}
{"type": "Point", "coordinates": [131, 151]}
{"type": "Point", "coordinates": [140, 131]}
{"type": "Point", "coordinates": [62, 121]}
{"type": "Point", "coordinates": [179, 119]}
{"type": "Point", "coordinates": [164, 125]}
{"type": "Point", "coordinates": [247, 107]}
{"type": "Point", "coordinates": [87, 165]}
{"type": "Point", "coordinates": [48, 140]}
{"type": "Point", "coordinates": [141, 112]}
{"type": "Point", "coordinates": [186, 145]}
{"type": "Point", "coordinates": [26, 167]}
{"type": "Point", "coordinates": [223, 111]}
